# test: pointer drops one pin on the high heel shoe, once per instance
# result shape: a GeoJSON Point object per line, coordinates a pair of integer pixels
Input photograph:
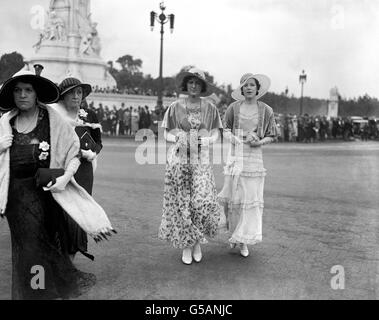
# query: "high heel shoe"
{"type": "Point", "coordinates": [187, 256]}
{"type": "Point", "coordinates": [244, 250]}
{"type": "Point", "coordinates": [197, 255]}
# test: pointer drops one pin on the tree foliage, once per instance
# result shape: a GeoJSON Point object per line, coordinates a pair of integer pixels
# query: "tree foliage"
{"type": "Point", "coordinates": [10, 63]}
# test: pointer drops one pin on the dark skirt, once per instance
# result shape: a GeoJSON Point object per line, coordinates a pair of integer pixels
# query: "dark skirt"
{"type": "Point", "coordinates": [73, 237]}
{"type": "Point", "coordinates": [34, 218]}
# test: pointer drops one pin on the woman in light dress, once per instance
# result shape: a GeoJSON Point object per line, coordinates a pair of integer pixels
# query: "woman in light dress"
{"type": "Point", "coordinates": [249, 124]}
{"type": "Point", "coordinates": [191, 211]}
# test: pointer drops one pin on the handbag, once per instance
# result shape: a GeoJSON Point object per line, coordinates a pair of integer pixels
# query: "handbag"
{"type": "Point", "coordinates": [87, 142]}
{"type": "Point", "coordinates": [45, 175]}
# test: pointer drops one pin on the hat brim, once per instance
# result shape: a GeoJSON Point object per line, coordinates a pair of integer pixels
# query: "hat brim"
{"type": "Point", "coordinates": [182, 76]}
{"type": "Point", "coordinates": [46, 90]}
{"type": "Point", "coordinates": [87, 89]}
{"type": "Point", "coordinates": [264, 81]}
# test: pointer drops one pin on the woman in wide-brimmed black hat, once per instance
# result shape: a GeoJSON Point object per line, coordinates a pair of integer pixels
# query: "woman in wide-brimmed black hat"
{"type": "Point", "coordinates": [72, 106]}
{"type": "Point", "coordinates": [34, 136]}
{"type": "Point", "coordinates": [190, 209]}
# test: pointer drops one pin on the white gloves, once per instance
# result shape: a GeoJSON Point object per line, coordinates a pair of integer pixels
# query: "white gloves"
{"type": "Point", "coordinates": [89, 155]}
{"type": "Point", "coordinates": [5, 142]}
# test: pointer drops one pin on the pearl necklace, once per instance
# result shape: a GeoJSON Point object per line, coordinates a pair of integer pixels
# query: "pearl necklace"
{"type": "Point", "coordinates": [32, 122]}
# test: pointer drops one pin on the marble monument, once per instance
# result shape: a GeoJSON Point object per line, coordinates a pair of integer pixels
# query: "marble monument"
{"type": "Point", "coordinates": [69, 45]}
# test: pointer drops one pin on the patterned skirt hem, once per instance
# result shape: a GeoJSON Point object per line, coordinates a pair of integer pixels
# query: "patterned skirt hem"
{"type": "Point", "coordinates": [177, 245]}
{"type": "Point", "coordinates": [255, 174]}
{"type": "Point", "coordinates": [250, 241]}
{"type": "Point", "coordinates": [241, 205]}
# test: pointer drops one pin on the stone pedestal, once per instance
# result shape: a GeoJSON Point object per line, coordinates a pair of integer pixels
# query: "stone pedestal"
{"type": "Point", "coordinates": [69, 45]}
{"type": "Point", "coordinates": [333, 103]}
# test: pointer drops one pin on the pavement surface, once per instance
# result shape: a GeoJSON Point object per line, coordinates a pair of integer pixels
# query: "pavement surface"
{"type": "Point", "coordinates": [321, 211]}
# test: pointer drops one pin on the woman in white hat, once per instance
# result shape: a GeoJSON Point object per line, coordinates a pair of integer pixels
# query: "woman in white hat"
{"type": "Point", "coordinates": [34, 136]}
{"type": "Point", "coordinates": [190, 207]}
{"type": "Point", "coordinates": [250, 124]}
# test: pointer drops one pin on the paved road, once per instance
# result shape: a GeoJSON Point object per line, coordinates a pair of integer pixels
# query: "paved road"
{"type": "Point", "coordinates": [321, 210]}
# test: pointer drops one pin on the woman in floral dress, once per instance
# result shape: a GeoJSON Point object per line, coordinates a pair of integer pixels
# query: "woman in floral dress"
{"type": "Point", "coordinates": [190, 208]}
{"type": "Point", "coordinates": [249, 124]}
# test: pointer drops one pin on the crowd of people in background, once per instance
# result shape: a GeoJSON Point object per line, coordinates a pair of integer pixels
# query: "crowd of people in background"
{"type": "Point", "coordinates": [309, 129]}
{"type": "Point", "coordinates": [126, 121]}
{"type": "Point", "coordinates": [132, 91]}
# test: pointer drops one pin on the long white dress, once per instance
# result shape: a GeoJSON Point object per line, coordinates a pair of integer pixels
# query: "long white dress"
{"type": "Point", "coordinates": [243, 188]}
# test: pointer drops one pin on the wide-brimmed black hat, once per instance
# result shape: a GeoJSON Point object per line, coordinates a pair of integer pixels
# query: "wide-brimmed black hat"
{"type": "Point", "coordinates": [71, 83]}
{"type": "Point", "coordinates": [47, 91]}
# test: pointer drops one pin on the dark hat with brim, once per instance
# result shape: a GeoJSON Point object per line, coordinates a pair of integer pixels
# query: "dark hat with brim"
{"type": "Point", "coordinates": [194, 73]}
{"type": "Point", "coordinates": [46, 90]}
{"type": "Point", "coordinates": [71, 83]}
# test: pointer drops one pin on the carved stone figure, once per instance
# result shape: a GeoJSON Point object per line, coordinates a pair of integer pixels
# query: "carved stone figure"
{"type": "Point", "coordinates": [37, 46]}
{"type": "Point", "coordinates": [334, 94]}
{"type": "Point", "coordinates": [55, 29]}
{"type": "Point", "coordinates": [95, 40]}
{"type": "Point", "coordinates": [85, 44]}
{"type": "Point", "coordinates": [70, 33]}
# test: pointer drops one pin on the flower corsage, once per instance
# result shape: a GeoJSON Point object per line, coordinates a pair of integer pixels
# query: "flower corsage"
{"type": "Point", "coordinates": [83, 114]}
{"type": "Point", "coordinates": [44, 147]}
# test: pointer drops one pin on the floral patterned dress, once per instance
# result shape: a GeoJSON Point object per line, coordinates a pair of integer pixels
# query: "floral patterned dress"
{"type": "Point", "coordinates": [190, 207]}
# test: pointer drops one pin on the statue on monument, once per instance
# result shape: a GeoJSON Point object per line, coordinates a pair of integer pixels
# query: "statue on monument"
{"type": "Point", "coordinates": [55, 29]}
{"type": "Point", "coordinates": [90, 43]}
{"type": "Point", "coordinates": [37, 46]}
{"type": "Point", "coordinates": [70, 33]}
{"type": "Point", "coordinates": [95, 43]}
{"type": "Point", "coordinates": [334, 94]}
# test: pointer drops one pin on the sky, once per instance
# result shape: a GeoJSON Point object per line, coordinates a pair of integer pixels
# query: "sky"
{"type": "Point", "coordinates": [335, 42]}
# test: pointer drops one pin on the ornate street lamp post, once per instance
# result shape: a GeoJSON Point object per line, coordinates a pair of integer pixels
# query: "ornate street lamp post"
{"type": "Point", "coordinates": [302, 80]}
{"type": "Point", "coordinates": [162, 19]}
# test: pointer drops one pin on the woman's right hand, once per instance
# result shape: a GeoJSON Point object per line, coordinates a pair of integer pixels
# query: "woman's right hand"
{"type": "Point", "coordinates": [5, 142]}
{"type": "Point", "coordinates": [89, 155]}
{"type": "Point", "coordinates": [59, 185]}
{"type": "Point", "coordinates": [235, 140]}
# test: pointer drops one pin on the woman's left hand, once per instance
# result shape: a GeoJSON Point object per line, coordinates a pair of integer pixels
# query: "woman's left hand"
{"type": "Point", "coordinates": [89, 155]}
{"type": "Point", "coordinates": [255, 144]}
{"type": "Point", "coordinates": [59, 185]}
